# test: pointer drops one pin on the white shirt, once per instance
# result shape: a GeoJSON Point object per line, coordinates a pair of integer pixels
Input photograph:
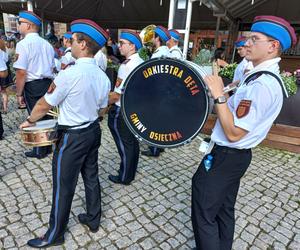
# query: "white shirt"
{"type": "Point", "coordinates": [101, 60]}
{"type": "Point", "coordinates": [3, 56]}
{"type": "Point", "coordinates": [176, 52]}
{"type": "Point", "coordinates": [81, 90]}
{"type": "Point", "coordinates": [239, 72]}
{"type": "Point", "coordinates": [125, 69]}
{"type": "Point", "coordinates": [2, 64]}
{"type": "Point", "coordinates": [161, 51]}
{"type": "Point", "coordinates": [266, 98]}
{"type": "Point", "coordinates": [36, 56]}
{"type": "Point", "coordinates": [67, 58]}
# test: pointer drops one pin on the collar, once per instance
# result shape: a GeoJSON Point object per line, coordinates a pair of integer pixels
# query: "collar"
{"type": "Point", "coordinates": [133, 56]}
{"type": "Point", "coordinates": [89, 60]}
{"type": "Point", "coordinates": [271, 64]}
{"type": "Point", "coordinates": [68, 49]}
{"type": "Point", "coordinates": [32, 34]}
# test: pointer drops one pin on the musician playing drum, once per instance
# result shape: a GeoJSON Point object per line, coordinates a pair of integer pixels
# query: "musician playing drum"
{"type": "Point", "coordinates": [34, 68]}
{"type": "Point", "coordinates": [127, 144]}
{"type": "Point", "coordinates": [243, 122]}
{"type": "Point", "coordinates": [80, 91]}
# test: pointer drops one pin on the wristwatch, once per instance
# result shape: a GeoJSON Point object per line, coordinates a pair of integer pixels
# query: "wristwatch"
{"type": "Point", "coordinates": [221, 99]}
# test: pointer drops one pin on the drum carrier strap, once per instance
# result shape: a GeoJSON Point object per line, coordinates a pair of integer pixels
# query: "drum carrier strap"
{"type": "Point", "coordinates": [257, 74]}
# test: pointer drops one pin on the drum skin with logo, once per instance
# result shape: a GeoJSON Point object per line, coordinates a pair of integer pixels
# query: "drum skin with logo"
{"type": "Point", "coordinates": [165, 102]}
{"type": "Point", "coordinates": [42, 134]}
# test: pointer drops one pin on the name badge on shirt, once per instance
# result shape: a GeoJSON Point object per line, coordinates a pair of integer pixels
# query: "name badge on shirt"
{"type": "Point", "coordinates": [243, 108]}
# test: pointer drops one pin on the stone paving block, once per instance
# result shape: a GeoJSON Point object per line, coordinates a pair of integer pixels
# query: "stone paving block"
{"type": "Point", "coordinates": [123, 243]}
{"type": "Point", "coordinates": [148, 243]}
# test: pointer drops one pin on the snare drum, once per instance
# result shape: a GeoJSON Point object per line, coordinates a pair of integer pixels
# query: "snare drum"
{"type": "Point", "coordinates": [165, 102]}
{"type": "Point", "coordinates": [42, 134]}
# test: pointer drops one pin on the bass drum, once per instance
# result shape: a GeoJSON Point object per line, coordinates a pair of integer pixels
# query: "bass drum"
{"type": "Point", "coordinates": [165, 102]}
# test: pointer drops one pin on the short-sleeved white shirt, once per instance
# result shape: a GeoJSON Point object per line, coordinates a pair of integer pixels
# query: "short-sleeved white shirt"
{"type": "Point", "coordinates": [266, 98]}
{"type": "Point", "coordinates": [176, 52]}
{"type": "Point", "coordinates": [161, 51]}
{"type": "Point", "coordinates": [2, 64]}
{"type": "Point", "coordinates": [125, 69]}
{"type": "Point", "coordinates": [240, 70]}
{"type": "Point", "coordinates": [36, 56]}
{"type": "Point", "coordinates": [3, 56]}
{"type": "Point", "coordinates": [67, 58]}
{"type": "Point", "coordinates": [101, 60]}
{"type": "Point", "coordinates": [81, 90]}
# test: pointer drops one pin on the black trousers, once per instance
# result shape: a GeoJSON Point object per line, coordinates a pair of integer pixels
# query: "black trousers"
{"type": "Point", "coordinates": [76, 152]}
{"type": "Point", "coordinates": [33, 91]}
{"type": "Point", "coordinates": [127, 144]}
{"type": "Point", "coordinates": [213, 197]}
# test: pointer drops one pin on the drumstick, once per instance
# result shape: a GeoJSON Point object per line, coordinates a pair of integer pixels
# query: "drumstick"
{"type": "Point", "coordinates": [51, 113]}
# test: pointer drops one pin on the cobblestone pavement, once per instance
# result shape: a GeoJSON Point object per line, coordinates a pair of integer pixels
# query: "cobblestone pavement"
{"type": "Point", "coordinates": [153, 212]}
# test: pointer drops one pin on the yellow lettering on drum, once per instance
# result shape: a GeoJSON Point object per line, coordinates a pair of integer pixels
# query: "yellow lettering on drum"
{"type": "Point", "coordinates": [149, 70]}
{"type": "Point", "coordinates": [171, 69]}
{"type": "Point", "coordinates": [176, 69]}
{"type": "Point", "coordinates": [151, 135]}
{"type": "Point", "coordinates": [180, 74]}
{"type": "Point", "coordinates": [145, 74]}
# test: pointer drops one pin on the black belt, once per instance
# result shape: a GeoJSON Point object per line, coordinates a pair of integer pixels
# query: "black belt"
{"type": "Point", "coordinates": [229, 150]}
{"type": "Point", "coordinates": [37, 80]}
{"type": "Point", "coordinates": [67, 129]}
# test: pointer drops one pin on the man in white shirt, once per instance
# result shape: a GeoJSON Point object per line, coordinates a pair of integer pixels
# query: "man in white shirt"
{"type": "Point", "coordinates": [67, 59]}
{"type": "Point", "coordinates": [34, 68]}
{"type": "Point", "coordinates": [244, 66]}
{"type": "Point", "coordinates": [172, 44]}
{"type": "Point", "coordinates": [126, 142]}
{"type": "Point", "coordinates": [160, 39]}
{"type": "Point", "coordinates": [80, 92]}
{"type": "Point", "coordinates": [243, 122]}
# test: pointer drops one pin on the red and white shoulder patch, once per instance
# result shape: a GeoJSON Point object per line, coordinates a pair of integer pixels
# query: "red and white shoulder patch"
{"type": "Point", "coordinates": [243, 108]}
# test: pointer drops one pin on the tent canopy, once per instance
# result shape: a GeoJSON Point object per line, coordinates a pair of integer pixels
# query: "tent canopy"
{"type": "Point", "coordinates": [137, 14]}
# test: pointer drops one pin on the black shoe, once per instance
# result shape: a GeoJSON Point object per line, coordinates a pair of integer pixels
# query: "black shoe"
{"type": "Point", "coordinates": [43, 242]}
{"type": "Point", "coordinates": [150, 153]}
{"type": "Point", "coordinates": [83, 219]}
{"type": "Point", "coordinates": [116, 179]}
{"type": "Point", "coordinates": [32, 154]}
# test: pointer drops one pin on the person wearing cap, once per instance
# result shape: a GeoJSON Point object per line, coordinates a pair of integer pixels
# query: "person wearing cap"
{"type": "Point", "coordinates": [243, 122]}
{"type": "Point", "coordinates": [172, 44]}
{"type": "Point", "coordinates": [126, 142]}
{"type": "Point", "coordinates": [161, 37]}
{"type": "Point", "coordinates": [80, 92]}
{"type": "Point", "coordinates": [244, 66]}
{"type": "Point", "coordinates": [34, 68]}
{"type": "Point", "coordinates": [67, 59]}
